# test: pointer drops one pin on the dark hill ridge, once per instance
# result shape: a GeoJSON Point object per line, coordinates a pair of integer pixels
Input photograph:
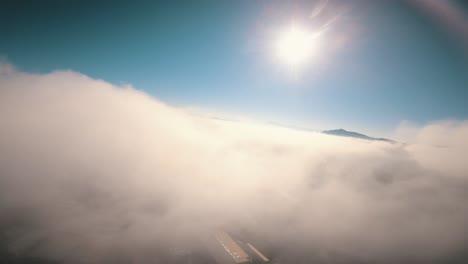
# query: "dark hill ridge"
{"type": "Point", "coordinates": [345, 133]}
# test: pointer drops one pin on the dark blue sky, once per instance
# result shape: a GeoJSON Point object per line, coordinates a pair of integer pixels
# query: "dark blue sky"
{"type": "Point", "coordinates": [379, 62]}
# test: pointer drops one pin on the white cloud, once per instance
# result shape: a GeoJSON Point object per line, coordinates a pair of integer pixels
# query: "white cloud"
{"type": "Point", "coordinates": [90, 172]}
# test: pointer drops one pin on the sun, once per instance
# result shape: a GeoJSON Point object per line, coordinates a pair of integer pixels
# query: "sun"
{"type": "Point", "coordinates": [295, 46]}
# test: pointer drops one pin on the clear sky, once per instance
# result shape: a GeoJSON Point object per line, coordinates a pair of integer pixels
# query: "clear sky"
{"type": "Point", "coordinates": [376, 63]}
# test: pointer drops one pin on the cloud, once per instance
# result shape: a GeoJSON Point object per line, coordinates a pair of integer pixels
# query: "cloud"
{"type": "Point", "coordinates": [91, 173]}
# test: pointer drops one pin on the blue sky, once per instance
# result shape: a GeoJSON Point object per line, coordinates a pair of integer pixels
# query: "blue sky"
{"type": "Point", "coordinates": [379, 63]}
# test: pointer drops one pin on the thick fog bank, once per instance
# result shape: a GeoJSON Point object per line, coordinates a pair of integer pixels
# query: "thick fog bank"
{"type": "Point", "coordinates": [93, 173]}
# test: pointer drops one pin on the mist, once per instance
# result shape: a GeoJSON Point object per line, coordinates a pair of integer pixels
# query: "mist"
{"type": "Point", "coordinates": [91, 172]}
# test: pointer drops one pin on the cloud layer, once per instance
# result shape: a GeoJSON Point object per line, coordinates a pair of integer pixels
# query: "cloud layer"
{"type": "Point", "coordinates": [93, 173]}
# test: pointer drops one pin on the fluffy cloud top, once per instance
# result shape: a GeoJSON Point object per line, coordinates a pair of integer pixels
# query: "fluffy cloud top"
{"type": "Point", "coordinates": [92, 173]}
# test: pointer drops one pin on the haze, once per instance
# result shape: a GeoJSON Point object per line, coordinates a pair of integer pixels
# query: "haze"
{"type": "Point", "coordinates": [131, 135]}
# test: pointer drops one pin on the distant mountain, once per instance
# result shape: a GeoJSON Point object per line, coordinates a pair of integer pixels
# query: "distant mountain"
{"type": "Point", "coordinates": [345, 133]}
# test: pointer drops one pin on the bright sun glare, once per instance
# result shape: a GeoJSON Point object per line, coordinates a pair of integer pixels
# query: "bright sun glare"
{"type": "Point", "coordinates": [295, 46]}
